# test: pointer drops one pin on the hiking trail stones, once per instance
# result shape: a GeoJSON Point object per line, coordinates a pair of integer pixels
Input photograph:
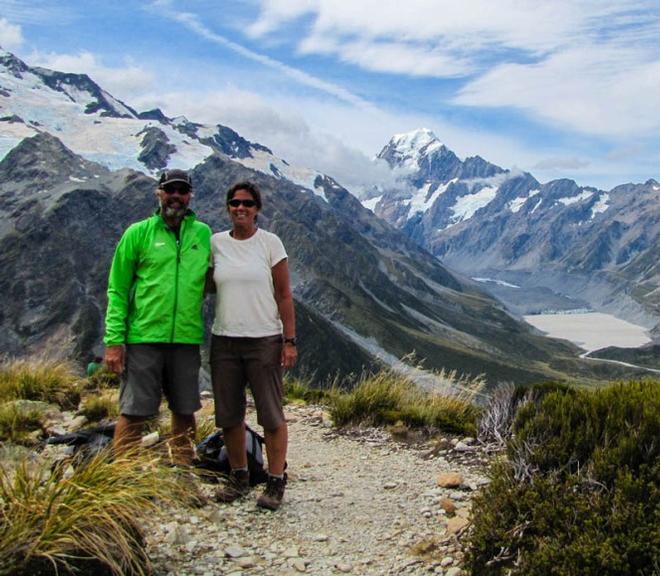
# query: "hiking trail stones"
{"type": "Point", "coordinates": [357, 502]}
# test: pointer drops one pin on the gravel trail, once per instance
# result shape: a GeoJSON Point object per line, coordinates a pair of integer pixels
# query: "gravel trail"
{"type": "Point", "coordinates": [357, 502]}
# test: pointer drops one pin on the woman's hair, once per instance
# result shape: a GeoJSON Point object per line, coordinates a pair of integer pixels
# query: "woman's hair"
{"type": "Point", "coordinates": [249, 187]}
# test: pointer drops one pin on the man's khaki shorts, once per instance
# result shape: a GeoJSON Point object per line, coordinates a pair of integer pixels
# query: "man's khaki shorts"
{"type": "Point", "coordinates": [239, 362]}
{"type": "Point", "coordinates": [156, 369]}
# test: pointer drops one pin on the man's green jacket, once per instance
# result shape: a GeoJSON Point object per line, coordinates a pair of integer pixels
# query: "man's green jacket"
{"type": "Point", "coordinates": [156, 283]}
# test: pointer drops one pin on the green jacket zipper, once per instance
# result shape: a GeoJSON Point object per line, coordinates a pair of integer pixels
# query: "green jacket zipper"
{"type": "Point", "coordinates": [176, 281]}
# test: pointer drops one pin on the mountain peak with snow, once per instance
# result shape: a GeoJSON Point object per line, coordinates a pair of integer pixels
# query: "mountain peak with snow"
{"type": "Point", "coordinates": [408, 149]}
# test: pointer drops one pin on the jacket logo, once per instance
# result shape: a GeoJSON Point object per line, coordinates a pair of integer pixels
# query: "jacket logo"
{"type": "Point", "coordinates": [159, 244]}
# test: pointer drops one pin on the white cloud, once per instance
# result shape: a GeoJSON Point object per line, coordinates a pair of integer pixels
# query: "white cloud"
{"type": "Point", "coordinates": [467, 24]}
{"type": "Point", "coordinates": [126, 82]}
{"type": "Point", "coordinates": [609, 92]}
{"type": "Point", "coordinates": [473, 30]}
{"type": "Point", "coordinates": [391, 57]}
{"type": "Point", "coordinates": [194, 23]}
{"type": "Point", "coordinates": [561, 163]}
{"type": "Point", "coordinates": [11, 36]}
{"type": "Point", "coordinates": [591, 66]}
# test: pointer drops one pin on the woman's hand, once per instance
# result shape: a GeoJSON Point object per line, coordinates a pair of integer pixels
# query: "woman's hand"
{"type": "Point", "coordinates": [289, 355]}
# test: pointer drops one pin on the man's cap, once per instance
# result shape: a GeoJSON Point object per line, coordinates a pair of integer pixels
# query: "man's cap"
{"type": "Point", "coordinates": [172, 176]}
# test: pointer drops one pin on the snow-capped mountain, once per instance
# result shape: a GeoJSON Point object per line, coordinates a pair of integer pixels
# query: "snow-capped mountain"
{"type": "Point", "coordinates": [103, 129]}
{"type": "Point", "coordinates": [568, 246]}
{"type": "Point", "coordinates": [77, 167]}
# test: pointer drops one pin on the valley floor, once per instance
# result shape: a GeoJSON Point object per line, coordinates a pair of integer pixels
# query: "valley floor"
{"type": "Point", "coordinates": [357, 502]}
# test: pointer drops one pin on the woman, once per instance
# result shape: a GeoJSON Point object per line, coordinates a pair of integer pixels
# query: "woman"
{"type": "Point", "coordinates": [253, 340]}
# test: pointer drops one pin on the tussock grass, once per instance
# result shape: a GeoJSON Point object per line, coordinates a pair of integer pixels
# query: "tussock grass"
{"type": "Point", "coordinates": [205, 427]}
{"type": "Point", "coordinates": [300, 390]}
{"type": "Point", "coordinates": [102, 379]}
{"type": "Point", "coordinates": [92, 519]}
{"type": "Point", "coordinates": [96, 408]}
{"type": "Point", "coordinates": [18, 420]}
{"type": "Point", "coordinates": [388, 397]}
{"type": "Point", "coordinates": [48, 380]}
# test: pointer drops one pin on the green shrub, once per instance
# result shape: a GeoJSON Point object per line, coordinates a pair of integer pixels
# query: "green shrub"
{"type": "Point", "coordinates": [93, 519]}
{"type": "Point", "coordinates": [578, 493]}
{"type": "Point", "coordinates": [387, 397]}
{"type": "Point", "coordinates": [52, 381]}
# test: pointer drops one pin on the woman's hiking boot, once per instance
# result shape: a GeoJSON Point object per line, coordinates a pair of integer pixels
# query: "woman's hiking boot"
{"type": "Point", "coordinates": [273, 494]}
{"type": "Point", "coordinates": [237, 486]}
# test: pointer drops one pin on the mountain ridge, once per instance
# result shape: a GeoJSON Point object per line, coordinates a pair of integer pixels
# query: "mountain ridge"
{"type": "Point", "coordinates": [364, 288]}
{"type": "Point", "coordinates": [508, 226]}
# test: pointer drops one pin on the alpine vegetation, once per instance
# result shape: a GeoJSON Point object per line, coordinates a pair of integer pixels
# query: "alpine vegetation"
{"type": "Point", "coordinates": [39, 378]}
{"type": "Point", "coordinates": [388, 398]}
{"type": "Point", "coordinates": [91, 518]}
{"type": "Point", "coordinates": [578, 490]}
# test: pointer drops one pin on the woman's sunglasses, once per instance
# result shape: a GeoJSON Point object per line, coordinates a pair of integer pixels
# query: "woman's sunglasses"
{"type": "Point", "coordinates": [235, 203]}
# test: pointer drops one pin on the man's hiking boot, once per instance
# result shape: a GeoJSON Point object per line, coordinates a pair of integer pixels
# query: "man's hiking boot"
{"type": "Point", "coordinates": [237, 486]}
{"type": "Point", "coordinates": [273, 494]}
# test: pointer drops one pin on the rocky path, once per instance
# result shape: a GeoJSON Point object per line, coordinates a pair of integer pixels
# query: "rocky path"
{"type": "Point", "coordinates": [357, 502]}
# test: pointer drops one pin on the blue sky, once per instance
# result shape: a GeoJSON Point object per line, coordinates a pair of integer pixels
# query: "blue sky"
{"type": "Point", "coordinates": [565, 88]}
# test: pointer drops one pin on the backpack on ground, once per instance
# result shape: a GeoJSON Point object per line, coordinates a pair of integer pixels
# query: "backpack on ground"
{"type": "Point", "coordinates": [212, 454]}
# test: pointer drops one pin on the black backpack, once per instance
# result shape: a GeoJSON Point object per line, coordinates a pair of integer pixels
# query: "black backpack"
{"type": "Point", "coordinates": [212, 455]}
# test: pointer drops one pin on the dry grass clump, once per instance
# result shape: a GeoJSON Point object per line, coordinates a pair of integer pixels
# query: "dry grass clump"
{"type": "Point", "coordinates": [44, 379]}
{"type": "Point", "coordinates": [91, 519]}
{"type": "Point", "coordinates": [96, 408]}
{"type": "Point", "coordinates": [205, 427]}
{"type": "Point", "coordinates": [300, 390]}
{"type": "Point", "coordinates": [19, 420]}
{"type": "Point", "coordinates": [388, 397]}
{"type": "Point", "coordinates": [102, 379]}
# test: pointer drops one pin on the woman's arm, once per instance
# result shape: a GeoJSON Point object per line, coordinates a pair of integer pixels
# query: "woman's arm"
{"type": "Point", "coordinates": [284, 300]}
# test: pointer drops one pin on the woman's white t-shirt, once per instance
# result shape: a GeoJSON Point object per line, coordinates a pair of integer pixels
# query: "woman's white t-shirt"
{"type": "Point", "coordinates": [245, 299]}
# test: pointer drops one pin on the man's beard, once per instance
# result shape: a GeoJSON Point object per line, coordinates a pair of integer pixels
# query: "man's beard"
{"type": "Point", "coordinates": [171, 212]}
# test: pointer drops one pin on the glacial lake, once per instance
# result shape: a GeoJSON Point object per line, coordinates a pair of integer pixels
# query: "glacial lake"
{"type": "Point", "coordinates": [591, 330]}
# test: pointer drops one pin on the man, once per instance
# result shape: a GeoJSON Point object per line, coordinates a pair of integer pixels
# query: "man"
{"type": "Point", "coordinates": [154, 320]}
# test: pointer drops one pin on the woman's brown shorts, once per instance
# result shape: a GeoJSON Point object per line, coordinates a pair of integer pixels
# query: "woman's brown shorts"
{"type": "Point", "coordinates": [239, 362]}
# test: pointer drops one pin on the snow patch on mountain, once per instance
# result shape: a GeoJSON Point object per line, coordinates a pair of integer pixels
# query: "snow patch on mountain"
{"type": "Point", "coordinates": [467, 205]}
{"type": "Point", "coordinates": [421, 201]}
{"type": "Point", "coordinates": [273, 166]}
{"type": "Point", "coordinates": [601, 205]}
{"type": "Point", "coordinates": [538, 203]}
{"type": "Point", "coordinates": [370, 204]}
{"type": "Point", "coordinates": [517, 203]}
{"type": "Point", "coordinates": [584, 195]}
{"type": "Point", "coordinates": [495, 281]}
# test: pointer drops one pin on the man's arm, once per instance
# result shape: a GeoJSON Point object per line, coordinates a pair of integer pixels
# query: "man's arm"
{"type": "Point", "coordinates": [120, 282]}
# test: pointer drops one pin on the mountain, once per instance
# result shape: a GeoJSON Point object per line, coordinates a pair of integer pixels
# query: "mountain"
{"type": "Point", "coordinates": [102, 129]}
{"type": "Point", "coordinates": [535, 246]}
{"type": "Point", "coordinates": [79, 167]}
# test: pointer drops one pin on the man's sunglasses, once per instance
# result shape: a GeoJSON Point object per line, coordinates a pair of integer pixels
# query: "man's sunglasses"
{"type": "Point", "coordinates": [179, 189]}
{"type": "Point", "coordinates": [235, 203]}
